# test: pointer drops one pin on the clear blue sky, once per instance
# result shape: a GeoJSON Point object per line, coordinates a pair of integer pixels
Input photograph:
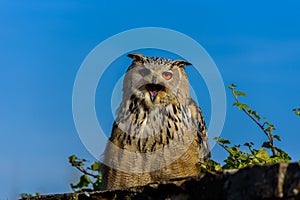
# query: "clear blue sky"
{"type": "Point", "coordinates": [43, 43]}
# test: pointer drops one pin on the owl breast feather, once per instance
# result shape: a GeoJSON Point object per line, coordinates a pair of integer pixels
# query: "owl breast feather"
{"type": "Point", "coordinates": [149, 129]}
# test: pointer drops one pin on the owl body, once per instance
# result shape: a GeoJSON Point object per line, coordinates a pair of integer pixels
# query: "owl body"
{"type": "Point", "coordinates": [159, 132]}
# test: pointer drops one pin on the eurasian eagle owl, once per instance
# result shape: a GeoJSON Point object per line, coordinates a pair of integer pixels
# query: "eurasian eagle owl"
{"type": "Point", "coordinates": [159, 132]}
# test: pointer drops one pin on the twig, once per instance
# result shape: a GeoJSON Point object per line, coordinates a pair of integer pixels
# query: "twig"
{"type": "Point", "coordinates": [271, 141]}
{"type": "Point", "coordinates": [86, 172]}
{"type": "Point", "coordinates": [269, 135]}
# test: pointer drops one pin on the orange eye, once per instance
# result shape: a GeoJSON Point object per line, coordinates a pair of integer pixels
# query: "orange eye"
{"type": "Point", "coordinates": [167, 75]}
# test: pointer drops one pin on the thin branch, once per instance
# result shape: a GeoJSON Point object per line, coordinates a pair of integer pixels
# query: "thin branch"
{"type": "Point", "coordinates": [249, 115]}
{"type": "Point", "coordinates": [226, 148]}
{"type": "Point", "coordinates": [251, 149]}
{"type": "Point", "coordinates": [258, 124]}
{"type": "Point", "coordinates": [86, 172]}
{"type": "Point", "coordinates": [271, 141]}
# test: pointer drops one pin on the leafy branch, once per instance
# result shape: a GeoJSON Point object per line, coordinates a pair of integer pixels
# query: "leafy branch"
{"type": "Point", "coordinates": [256, 118]}
{"type": "Point", "coordinates": [91, 178]}
{"type": "Point", "coordinates": [238, 158]}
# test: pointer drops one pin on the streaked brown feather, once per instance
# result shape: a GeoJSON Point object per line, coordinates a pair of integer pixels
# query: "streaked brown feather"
{"type": "Point", "coordinates": [147, 135]}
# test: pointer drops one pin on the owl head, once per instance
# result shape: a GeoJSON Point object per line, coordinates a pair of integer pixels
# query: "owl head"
{"type": "Point", "coordinates": [156, 80]}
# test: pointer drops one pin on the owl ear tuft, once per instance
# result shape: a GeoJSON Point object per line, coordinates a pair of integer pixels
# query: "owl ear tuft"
{"type": "Point", "coordinates": [136, 56]}
{"type": "Point", "coordinates": [181, 63]}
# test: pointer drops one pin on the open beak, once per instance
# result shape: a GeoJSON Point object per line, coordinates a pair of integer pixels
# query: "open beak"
{"type": "Point", "coordinates": [153, 89]}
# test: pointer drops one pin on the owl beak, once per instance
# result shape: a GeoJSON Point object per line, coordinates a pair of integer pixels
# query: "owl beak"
{"type": "Point", "coordinates": [154, 89]}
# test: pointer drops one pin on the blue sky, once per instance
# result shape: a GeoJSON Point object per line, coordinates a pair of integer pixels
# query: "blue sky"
{"type": "Point", "coordinates": [43, 43]}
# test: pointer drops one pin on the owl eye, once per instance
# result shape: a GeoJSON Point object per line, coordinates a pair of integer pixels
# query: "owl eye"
{"type": "Point", "coordinates": [144, 72]}
{"type": "Point", "coordinates": [167, 75]}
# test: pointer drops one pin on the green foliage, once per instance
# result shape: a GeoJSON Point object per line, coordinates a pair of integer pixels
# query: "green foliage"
{"type": "Point", "coordinates": [90, 179]}
{"type": "Point", "coordinates": [239, 158]}
{"type": "Point", "coordinates": [25, 196]}
{"type": "Point", "coordinates": [297, 111]}
{"type": "Point", "coordinates": [209, 166]}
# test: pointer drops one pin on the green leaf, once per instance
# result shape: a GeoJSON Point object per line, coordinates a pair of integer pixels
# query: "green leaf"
{"type": "Point", "coordinates": [95, 166]}
{"type": "Point", "coordinates": [244, 106]}
{"type": "Point", "coordinates": [269, 123]}
{"type": "Point", "coordinates": [277, 137]}
{"type": "Point", "coordinates": [297, 111]}
{"type": "Point", "coordinates": [83, 182]}
{"type": "Point", "coordinates": [234, 151]}
{"type": "Point", "coordinates": [248, 144]}
{"type": "Point", "coordinates": [267, 145]}
{"type": "Point", "coordinates": [236, 104]}
{"type": "Point", "coordinates": [209, 166]}
{"type": "Point", "coordinates": [242, 158]}
{"type": "Point", "coordinates": [97, 184]}
{"type": "Point", "coordinates": [241, 105]}
{"type": "Point", "coordinates": [262, 154]}
{"type": "Point", "coordinates": [239, 93]}
{"type": "Point", "coordinates": [223, 141]}
{"type": "Point", "coordinates": [282, 154]}
{"type": "Point", "coordinates": [254, 113]}
{"type": "Point", "coordinates": [72, 158]}
{"type": "Point", "coordinates": [268, 129]}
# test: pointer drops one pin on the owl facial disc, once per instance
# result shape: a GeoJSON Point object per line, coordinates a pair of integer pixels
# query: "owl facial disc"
{"type": "Point", "coordinates": [154, 89]}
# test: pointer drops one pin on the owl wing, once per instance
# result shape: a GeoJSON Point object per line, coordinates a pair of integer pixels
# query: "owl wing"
{"type": "Point", "coordinates": [202, 135]}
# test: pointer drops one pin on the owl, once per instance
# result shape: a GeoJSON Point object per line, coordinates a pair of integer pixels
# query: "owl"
{"type": "Point", "coordinates": [159, 132]}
